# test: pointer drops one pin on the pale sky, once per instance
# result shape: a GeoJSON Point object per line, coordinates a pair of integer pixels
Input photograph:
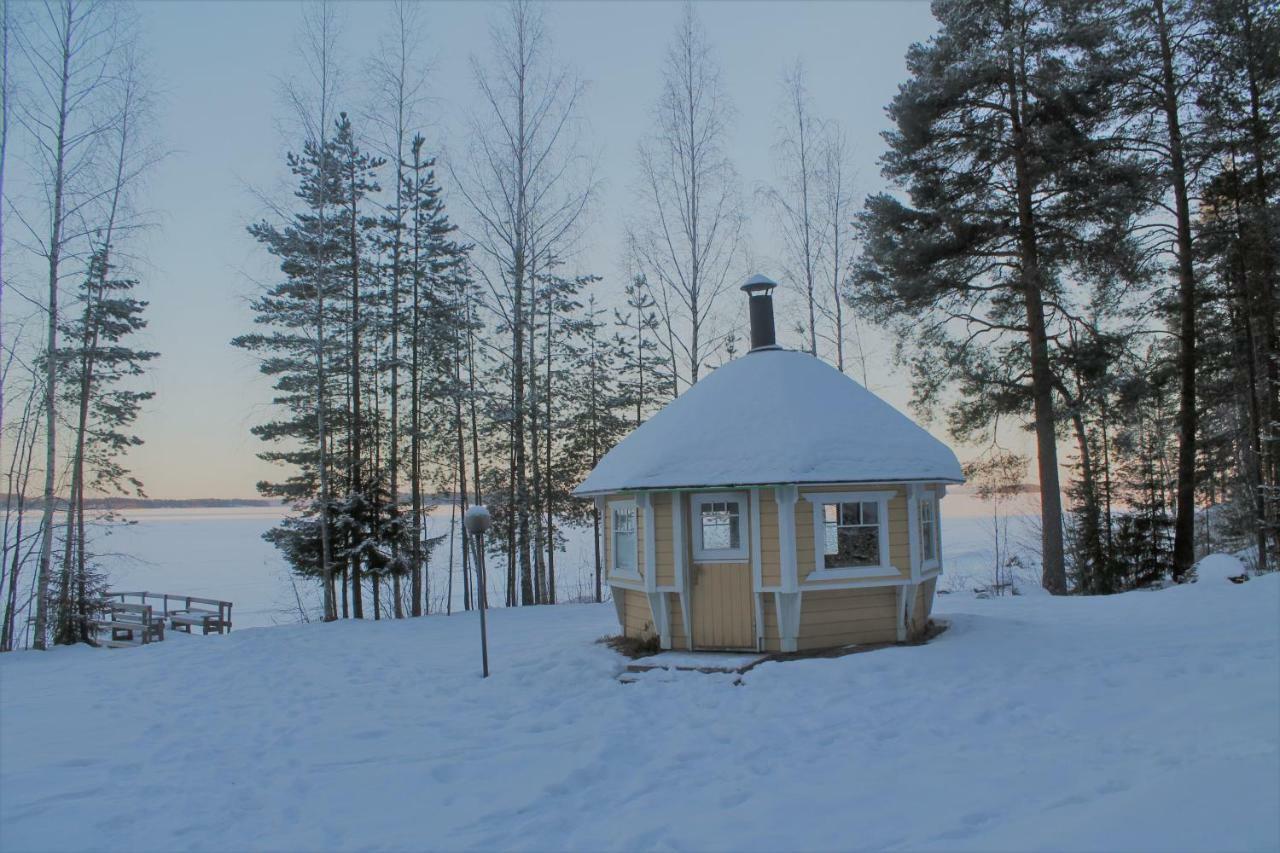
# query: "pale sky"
{"type": "Point", "coordinates": [219, 64]}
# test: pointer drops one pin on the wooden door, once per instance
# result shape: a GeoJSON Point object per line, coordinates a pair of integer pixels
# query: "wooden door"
{"type": "Point", "coordinates": [723, 616]}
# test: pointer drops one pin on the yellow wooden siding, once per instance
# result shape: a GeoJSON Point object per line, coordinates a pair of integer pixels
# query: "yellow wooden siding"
{"type": "Point", "coordinates": [899, 529]}
{"type": "Point", "coordinates": [804, 538]}
{"type": "Point", "coordinates": [841, 617]}
{"type": "Point", "coordinates": [723, 613]}
{"type": "Point", "coordinates": [665, 538]}
{"type": "Point", "coordinates": [770, 549]}
{"type": "Point", "coordinates": [638, 618]}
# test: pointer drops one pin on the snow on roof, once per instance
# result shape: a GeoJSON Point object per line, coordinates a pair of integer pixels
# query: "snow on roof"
{"type": "Point", "coordinates": [773, 416]}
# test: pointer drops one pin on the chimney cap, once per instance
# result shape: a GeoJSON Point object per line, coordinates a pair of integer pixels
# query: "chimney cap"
{"type": "Point", "coordinates": [758, 284]}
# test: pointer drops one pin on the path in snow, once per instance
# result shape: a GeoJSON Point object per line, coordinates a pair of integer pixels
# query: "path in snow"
{"type": "Point", "coordinates": [1139, 721]}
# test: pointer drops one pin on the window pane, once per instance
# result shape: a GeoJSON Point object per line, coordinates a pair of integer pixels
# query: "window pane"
{"type": "Point", "coordinates": [721, 525]}
{"type": "Point", "coordinates": [624, 520]}
{"type": "Point", "coordinates": [860, 546]}
{"type": "Point", "coordinates": [870, 512]}
{"type": "Point", "coordinates": [624, 539]}
{"type": "Point", "coordinates": [624, 551]}
{"type": "Point", "coordinates": [830, 513]}
{"type": "Point", "coordinates": [927, 546]}
{"type": "Point", "coordinates": [856, 546]}
{"type": "Point", "coordinates": [830, 545]}
{"type": "Point", "coordinates": [849, 514]}
{"type": "Point", "coordinates": [715, 532]}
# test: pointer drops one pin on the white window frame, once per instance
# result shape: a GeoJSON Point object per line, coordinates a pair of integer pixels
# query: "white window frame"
{"type": "Point", "coordinates": [614, 571]}
{"type": "Point", "coordinates": [930, 498]}
{"type": "Point", "coordinates": [721, 555]}
{"type": "Point", "coordinates": [820, 571]}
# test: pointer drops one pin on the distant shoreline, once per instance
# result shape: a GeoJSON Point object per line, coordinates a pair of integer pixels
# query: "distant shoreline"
{"type": "Point", "coordinates": [60, 504]}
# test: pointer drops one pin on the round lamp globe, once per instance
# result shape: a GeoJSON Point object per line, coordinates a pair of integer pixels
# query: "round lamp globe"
{"type": "Point", "coordinates": [477, 519]}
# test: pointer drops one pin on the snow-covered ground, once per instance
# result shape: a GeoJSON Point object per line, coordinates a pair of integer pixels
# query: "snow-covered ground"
{"type": "Point", "coordinates": [1144, 721]}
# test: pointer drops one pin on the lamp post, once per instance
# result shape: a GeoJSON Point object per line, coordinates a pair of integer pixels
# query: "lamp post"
{"type": "Point", "coordinates": [477, 521]}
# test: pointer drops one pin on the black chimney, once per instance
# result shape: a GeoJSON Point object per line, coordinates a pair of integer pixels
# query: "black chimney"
{"type": "Point", "coordinates": [761, 302]}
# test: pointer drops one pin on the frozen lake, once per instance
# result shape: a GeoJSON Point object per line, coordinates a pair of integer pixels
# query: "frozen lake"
{"type": "Point", "coordinates": [220, 553]}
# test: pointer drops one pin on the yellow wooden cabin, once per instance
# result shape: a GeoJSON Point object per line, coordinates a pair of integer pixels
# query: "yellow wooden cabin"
{"type": "Point", "coordinates": [776, 505]}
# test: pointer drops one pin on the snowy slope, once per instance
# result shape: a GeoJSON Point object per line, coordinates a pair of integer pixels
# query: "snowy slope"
{"type": "Point", "coordinates": [1140, 721]}
{"type": "Point", "coordinates": [773, 416]}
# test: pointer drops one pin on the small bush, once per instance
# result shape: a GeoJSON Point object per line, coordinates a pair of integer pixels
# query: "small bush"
{"type": "Point", "coordinates": [633, 647]}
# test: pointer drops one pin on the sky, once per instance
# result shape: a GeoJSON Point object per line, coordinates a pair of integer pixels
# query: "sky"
{"type": "Point", "coordinates": [219, 67]}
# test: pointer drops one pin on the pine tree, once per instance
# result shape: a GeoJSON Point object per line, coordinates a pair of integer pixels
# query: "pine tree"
{"type": "Point", "coordinates": [1001, 143]}
{"type": "Point", "coordinates": [300, 350]}
{"type": "Point", "coordinates": [1238, 238]}
{"type": "Point", "coordinates": [645, 368]}
{"type": "Point", "coordinates": [96, 361]}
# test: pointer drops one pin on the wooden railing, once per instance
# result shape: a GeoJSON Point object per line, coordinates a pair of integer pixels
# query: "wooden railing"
{"type": "Point", "coordinates": [182, 612]}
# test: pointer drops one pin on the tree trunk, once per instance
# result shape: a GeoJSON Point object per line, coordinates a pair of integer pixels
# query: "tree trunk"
{"type": "Point", "coordinates": [1184, 521]}
{"type": "Point", "coordinates": [1054, 577]}
{"type": "Point", "coordinates": [41, 627]}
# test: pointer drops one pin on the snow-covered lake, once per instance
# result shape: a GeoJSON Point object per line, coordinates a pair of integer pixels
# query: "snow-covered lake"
{"type": "Point", "coordinates": [220, 553]}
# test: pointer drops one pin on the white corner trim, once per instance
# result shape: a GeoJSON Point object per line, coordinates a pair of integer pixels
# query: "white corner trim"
{"type": "Point", "coordinates": [820, 571]}
{"type": "Point", "coordinates": [902, 611]}
{"type": "Point", "coordinates": [910, 592]}
{"type": "Point", "coordinates": [720, 555]}
{"type": "Point", "coordinates": [661, 617]}
{"type": "Point", "coordinates": [757, 578]}
{"type": "Point", "coordinates": [788, 610]}
{"type": "Point", "coordinates": [680, 556]}
{"type": "Point", "coordinates": [913, 529]}
{"type": "Point", "coordinates": [786, 497]}
{"type": "Point", "coordinates": [678, 550]}
{"type": "Point", "coordinates": [644, 501]}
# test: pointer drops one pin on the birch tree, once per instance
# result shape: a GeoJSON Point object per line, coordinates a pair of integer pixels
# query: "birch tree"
{"type": "Point", "coordinates": [688, 234]}
{"type": "Point", "coordinates": [527, 185]}
{"type": "Point", "coordinates": [68, 49]}
{"type": "Point", "coordinates": [796, 198]}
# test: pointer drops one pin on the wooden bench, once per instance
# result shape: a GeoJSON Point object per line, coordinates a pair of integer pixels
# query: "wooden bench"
{"type": "Point", "coordinates": [183, 612]}
{"type": "Point", "coordinates": [126, 625]}
{"type": "Point", "coordinates": [209, 614]}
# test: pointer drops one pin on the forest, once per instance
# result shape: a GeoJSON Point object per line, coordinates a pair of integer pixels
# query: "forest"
{"type": "Point", "coordinates": [1074, 241]}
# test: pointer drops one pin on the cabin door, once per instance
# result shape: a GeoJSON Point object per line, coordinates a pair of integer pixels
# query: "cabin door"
{"type": "Point", "coordinates": [723, 614]}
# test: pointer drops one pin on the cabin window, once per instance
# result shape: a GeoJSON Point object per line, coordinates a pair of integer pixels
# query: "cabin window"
{"type": "Point", "coordinates": [850, 535]}
{"type": "Point", "coordinates": [720, 528]}
{"type": "Point", "coordinates": [929, 529]}
{"type": "Point", "coordinates": [622, 527]}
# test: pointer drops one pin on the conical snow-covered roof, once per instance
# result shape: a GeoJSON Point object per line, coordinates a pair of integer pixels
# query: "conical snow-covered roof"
{"type": "Point", "coordinates": [773, 416]}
